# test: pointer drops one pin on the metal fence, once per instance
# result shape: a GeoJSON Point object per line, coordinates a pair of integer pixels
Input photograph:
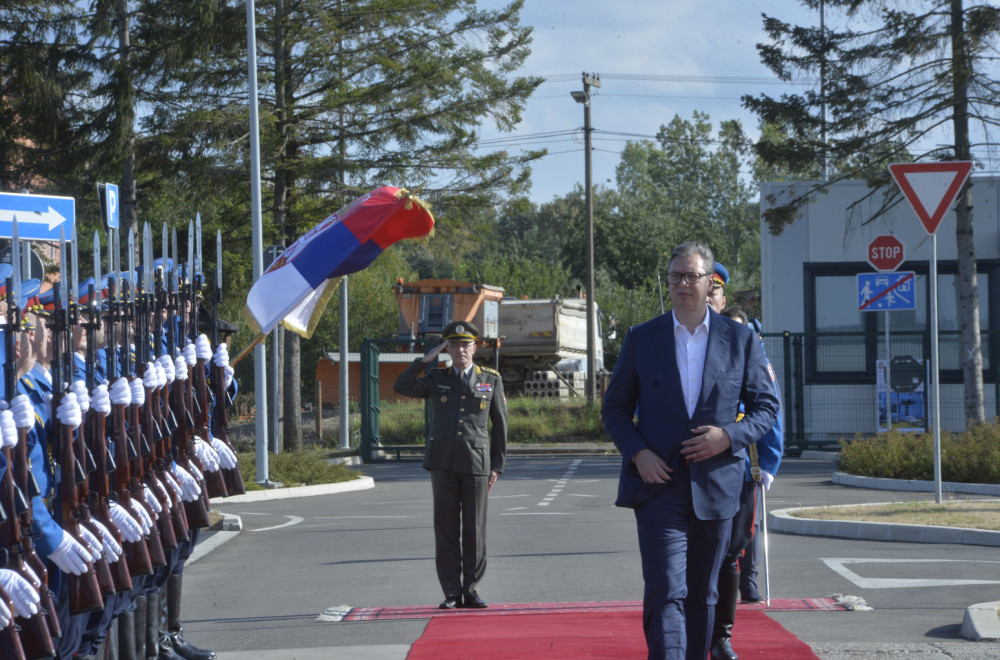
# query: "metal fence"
{"type": "Point", "coordinates": [828, 384]}
{"type": "Point", "coordinates": [828, 381]}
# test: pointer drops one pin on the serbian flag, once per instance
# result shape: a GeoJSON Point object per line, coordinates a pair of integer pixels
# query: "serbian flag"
{"type": "Point", "coordinates": [294, 291]}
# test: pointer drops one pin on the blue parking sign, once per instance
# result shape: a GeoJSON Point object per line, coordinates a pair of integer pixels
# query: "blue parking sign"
{"type": "Point", "coordinates": [881, 292]}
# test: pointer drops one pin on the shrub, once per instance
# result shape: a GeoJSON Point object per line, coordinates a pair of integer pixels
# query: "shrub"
{"type": "Point", "coordinates": [299, 468]}
{"type": "Point", "coordinates": [972, 456]}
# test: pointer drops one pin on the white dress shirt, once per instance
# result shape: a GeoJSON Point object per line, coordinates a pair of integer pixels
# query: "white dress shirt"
{"type": "Point", "coordinates": [690, 350]}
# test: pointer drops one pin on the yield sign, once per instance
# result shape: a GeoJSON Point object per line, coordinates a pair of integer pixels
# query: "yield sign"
{"type": "Point", "coordinates": [931, 188]}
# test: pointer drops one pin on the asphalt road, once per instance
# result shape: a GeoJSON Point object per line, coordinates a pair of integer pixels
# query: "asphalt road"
{"type": "Point", "coordinates": [554, 536]}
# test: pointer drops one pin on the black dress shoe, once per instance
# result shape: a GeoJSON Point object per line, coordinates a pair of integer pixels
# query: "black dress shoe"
{"type": "Point", "coordinates": [751, 598]}
{"type": "Point", "coordinates": [473, 601]}
{"type": "Point", "coordinates": [189, 651]}
{"type": "Point", "coordinates": [722, 650]}
{"type": "Point", "coordinates": [450, 603]}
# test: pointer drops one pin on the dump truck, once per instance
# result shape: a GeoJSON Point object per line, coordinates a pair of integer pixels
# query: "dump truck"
{"type": "Point", "coordinates": [527, 340]}
{"type": "Point", "coordinates": [541, 336]}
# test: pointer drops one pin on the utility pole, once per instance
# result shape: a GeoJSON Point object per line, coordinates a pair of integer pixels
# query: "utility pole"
{"type": "Point", "coordinates": [589, 80]}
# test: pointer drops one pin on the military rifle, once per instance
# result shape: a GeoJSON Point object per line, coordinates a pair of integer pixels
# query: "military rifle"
{"type": "Point", "coordinates": [84, 589]}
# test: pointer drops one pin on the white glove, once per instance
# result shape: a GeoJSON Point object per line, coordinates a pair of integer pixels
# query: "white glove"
{"type": "Point", "coordinates": [70, 556]}
{"type": "Point", "coordinates": [221, 357]}
{"type": "Point", "coordinates": [228, 372]}
{"type": "Point", "coordinates": [79, 388]}
{"type": "Point", "coordinates": [8, 431]}
{"type": "Point", "coordinates": [191, 355]}
{"type": "Point", "coordinates": [68, 411]}
{"type": "Point", "coordinates": [100, 400]}
{"type": "Point", "coordinates": [138, 394]}
{"type": "Point", "coordinates": [151, 501]}
{"type": "Point", "coordinates": [180, 368]}
{"type": "Point", "coordinates": [24, 412]}
{"type": "Point", "coordinates": [174, 486]}
{"type": "Point", "coordinates": [190, 490]}
{"type": "Point", "coordinates": [150, 379]}
{"type": "Point", "coordinates": [167, 365]}
{"type": "Point", "coordinates": [766, 478]}
{"type": "Point", "coordinates": [226, 456]}
{"type": "Point", "coordinates": [140, 513]}
{"type": "Point", "coordinates": [163, 494]}
{"type": "Point", "coordinates": [121, 393]}
{"type": "Point", "coordinates": [94, 544]}
{"type": "Point", "coordinates": [207, 455]}
{"type": "Point", "coordinates": [129, 527]}
{"type": "Point", "coordinates": [202, 347]}
{"type": "Point", "coordinates": [25, 597]}
{"type": "Point", "coordinates": [112, 550]}
{"type": "Point", "coordinates": [5, 615]}
{"type": "Point", "coordinates": [161, 375]}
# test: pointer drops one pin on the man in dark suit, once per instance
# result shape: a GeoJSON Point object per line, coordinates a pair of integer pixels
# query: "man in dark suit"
{"type": "Point", "coordinates": [671, 409]}
{"type": "Point", "coordinates": [465, 454]}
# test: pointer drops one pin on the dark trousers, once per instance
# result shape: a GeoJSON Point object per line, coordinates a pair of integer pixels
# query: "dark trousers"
{"type": "Point", "coordinates": [743, 528]}
{"type": "Point", "coordinates": [459, 529]}
{"type": "Point", "coordinates": [751, 558]}
{"type": "Point", "coordinates": [681, 556]}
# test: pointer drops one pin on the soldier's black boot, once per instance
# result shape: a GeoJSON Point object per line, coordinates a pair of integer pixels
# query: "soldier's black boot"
{"type": "Point", "coordinates": [111, 642]}
{"type": "Point", "coordinates": [164, 645]}
{"type": "Point", "coordinates": [174, 629]}
{"type": "Point", "coordinates": [126, 636]}
{"type": "Point", "coordinates": [139, 625]}
{"type": "Point", "coordinates": [725, 616]}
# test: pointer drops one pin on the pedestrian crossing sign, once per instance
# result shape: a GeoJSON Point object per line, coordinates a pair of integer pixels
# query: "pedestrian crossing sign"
{"type": "Point", "coordinates": [883, 292]}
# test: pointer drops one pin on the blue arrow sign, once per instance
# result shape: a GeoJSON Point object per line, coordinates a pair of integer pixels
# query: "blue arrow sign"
{"type": "Point", "coordinates": [882, 292]}
{"type": "Point", "coordinates": [39, 217]}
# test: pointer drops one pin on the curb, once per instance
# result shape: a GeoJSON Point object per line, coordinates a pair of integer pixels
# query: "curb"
{"type": "Point", "coordinates": [981, 623]}
{"type": "Point", "coordinates": [783, 520]}
{"type": "Point", "coordinates": [231, 526]}
{"type": "Point", "coordinates": [913, 485]}
{"type": "Point", "coordinates": [819, 455]}
{"type": "Point", "coordinates": [361, 483]}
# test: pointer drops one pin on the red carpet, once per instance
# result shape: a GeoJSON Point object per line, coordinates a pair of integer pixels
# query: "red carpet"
{"type": "Point", "coordinates": [614, 635]}
{"type": "Point", "coordinates": [507, 609]}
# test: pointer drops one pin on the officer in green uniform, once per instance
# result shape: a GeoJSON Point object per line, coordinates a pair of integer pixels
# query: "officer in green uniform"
{"type": "Point", "coordinates": [465, 455]}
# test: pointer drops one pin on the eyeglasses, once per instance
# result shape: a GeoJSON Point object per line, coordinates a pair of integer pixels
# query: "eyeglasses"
{"type": "Point", "coordinates": [690, 278]}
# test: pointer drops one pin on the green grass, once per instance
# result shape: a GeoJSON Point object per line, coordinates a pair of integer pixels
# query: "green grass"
{"type": "Point", "coordinates": [529, 420]}
{"type": "Point", "coordinates": [972, 456]}
{"type": "Point", "coordinates": [300, 468]}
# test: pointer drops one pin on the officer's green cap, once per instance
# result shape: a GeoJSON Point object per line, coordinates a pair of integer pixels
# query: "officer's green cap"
{"type": "Point", "coordinates": [460, 331]}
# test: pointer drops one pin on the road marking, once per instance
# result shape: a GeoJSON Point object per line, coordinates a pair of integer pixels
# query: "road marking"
{"type": "Point", "coordinates": [839, 566]}
{"type": "Point", "coordinates": [561, 483]}
{"type": "Point", "coordinates": [292, 520]}
{"type": "Point", "coordinates": [539, 513]}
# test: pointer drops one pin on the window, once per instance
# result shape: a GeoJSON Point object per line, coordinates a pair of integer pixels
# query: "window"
{"type": "Point", "coordinates": [835, 352]}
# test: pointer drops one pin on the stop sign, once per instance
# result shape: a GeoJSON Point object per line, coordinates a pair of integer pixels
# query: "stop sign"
{"type": "Point", "coordinates": [885, 252]}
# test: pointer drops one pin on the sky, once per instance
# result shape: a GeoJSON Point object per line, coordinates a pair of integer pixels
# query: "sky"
{"type": "Point", "coordinates": [656, 59]}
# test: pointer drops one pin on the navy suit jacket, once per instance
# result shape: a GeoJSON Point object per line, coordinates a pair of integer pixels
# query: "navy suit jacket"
{"type": "Point", "coordinates": [646, 383]}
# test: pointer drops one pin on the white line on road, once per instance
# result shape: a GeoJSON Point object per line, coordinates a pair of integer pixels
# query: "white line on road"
{"type": "Point", "coordinates": [839, 566]}
{"type": "Point", "coordinates": [292, 520]}
{"type": "Point", "coordinates": [561, 483]}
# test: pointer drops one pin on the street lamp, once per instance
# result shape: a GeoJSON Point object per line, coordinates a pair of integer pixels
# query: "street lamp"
{"type": "Point", "coordinates": [583, 97]}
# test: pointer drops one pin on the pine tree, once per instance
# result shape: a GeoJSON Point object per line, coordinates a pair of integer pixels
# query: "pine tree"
{"type": "Point", "coordinates": [905, 84]}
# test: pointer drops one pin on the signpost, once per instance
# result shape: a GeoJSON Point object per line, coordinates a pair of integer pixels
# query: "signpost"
{"type": "Point", "coordinates": [107, 194]}
{"type": "Point", "coordinates": [931, 189]}
{"type": "Point", "coordinates": [885, 253]}
{"type": "Point", "coordinates": [881, 292]}
{"type": "Point", "coordinates": [39, 217]}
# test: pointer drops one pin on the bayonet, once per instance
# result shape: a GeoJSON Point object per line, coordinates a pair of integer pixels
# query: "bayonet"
{"type": "Point", "coordinates": [97, 262]}
{"type": "Point", "coordinates": [147, 258]}
{"type": "Point", "coordinates": [198, 254]}
{"type": "Point", "coordinates": [175, 277]}
{"type": "Point", "coordinates": [15, 260]}
{"type": "Point", "coordinates": [75, 255]}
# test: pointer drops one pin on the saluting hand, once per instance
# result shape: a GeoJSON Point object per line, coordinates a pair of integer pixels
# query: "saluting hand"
{"type": "Point", "coordinates": [432, 355]}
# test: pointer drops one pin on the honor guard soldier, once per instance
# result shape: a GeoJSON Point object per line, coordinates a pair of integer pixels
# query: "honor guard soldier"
{"type": "Point", "coordinates": [465, 454]}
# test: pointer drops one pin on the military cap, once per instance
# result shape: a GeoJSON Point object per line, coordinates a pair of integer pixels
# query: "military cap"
{"type": "Point", "coordinates": [29, 297]}
{"type": "Point", "coordinates": [460, 331]}
{"type": "Point", "coordinates": [720, 277]}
